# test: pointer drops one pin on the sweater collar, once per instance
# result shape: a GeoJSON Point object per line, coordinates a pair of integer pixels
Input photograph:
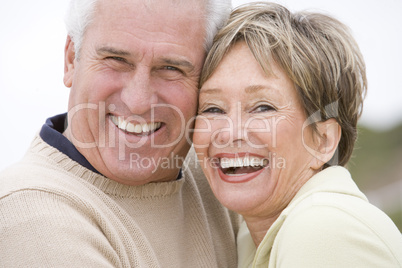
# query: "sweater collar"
{"type": "Point", "coordinates": [62, 163]}
{"type": "Point", "coordinates": [51, 138]}
{"type": "Point", "coordinates": [52, 134]}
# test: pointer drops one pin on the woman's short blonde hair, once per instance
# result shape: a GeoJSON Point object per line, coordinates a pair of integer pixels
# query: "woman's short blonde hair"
{"type": "Point", "coordinates": [317, 52]}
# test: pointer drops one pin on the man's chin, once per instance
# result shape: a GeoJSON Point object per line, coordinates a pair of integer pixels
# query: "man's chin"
{"type": "Point", "coordinates": [137, 166]}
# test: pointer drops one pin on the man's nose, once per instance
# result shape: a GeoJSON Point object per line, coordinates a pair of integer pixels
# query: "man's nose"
{"type": "Point", "coordinates": [138, 93]}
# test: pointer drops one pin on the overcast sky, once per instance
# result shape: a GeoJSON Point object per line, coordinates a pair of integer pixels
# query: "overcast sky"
{"type": "Point", "coordinates": [31, 62]}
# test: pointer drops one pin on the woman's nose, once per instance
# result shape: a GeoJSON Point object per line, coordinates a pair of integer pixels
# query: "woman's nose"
{"type": "Point", "coordinates": [232, 131]}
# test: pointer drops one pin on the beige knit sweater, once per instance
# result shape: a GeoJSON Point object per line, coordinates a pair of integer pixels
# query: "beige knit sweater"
{"type": "Point", "coordinates": [56, 213]}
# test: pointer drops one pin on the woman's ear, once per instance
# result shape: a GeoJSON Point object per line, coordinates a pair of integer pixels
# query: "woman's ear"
{"type": "Point", "coordinates": [327, 139]}
{"type": "Point", "coordinates": [69, 62]}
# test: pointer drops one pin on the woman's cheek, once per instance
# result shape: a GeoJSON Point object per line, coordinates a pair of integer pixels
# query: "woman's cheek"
{"type": "Point", "coordinates": [202, 133]}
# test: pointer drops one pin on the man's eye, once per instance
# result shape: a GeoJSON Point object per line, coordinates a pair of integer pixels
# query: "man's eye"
{"type": "Point", "coordinates": [116, 59]}
{"type": "Point", "coordinates": [213, 110]}
{"type": "Point", "coordinates": [171, 68]}
{"type": "Point", "coordinates": [264, 108]}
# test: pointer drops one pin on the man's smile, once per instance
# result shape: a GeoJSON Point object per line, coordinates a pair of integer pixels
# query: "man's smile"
{"type": "Point", "coordinates": [135, 129]}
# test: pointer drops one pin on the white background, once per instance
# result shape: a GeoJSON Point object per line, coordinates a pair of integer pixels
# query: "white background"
{"type": "Point", "coordinates": [32, 37]}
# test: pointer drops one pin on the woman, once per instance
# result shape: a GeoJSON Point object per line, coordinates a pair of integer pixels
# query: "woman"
{"type": "Point", "coordinates": [280, 97]}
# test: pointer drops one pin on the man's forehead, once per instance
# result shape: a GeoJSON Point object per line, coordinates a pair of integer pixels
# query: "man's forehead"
{"type": "Point", "coordinates": [173, 38]}
{"type": "Point", "coordinates": [176, 14]}
{"type": "Point", "coordinates": [178, 3]}
{"type": "Point", "coordinates": [155, 5]}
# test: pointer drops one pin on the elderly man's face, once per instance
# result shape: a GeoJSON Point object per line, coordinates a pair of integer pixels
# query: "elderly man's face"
{"type": "Point", "coordinates": [134, 88]}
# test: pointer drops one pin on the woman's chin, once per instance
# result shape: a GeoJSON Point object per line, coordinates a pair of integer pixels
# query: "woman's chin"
{"type": "Point", "coordinates": [237, 200]}
{"type": "Point", "coordinates": [238, 204]}
{"type": "Point", "coordinates": [241, 193]}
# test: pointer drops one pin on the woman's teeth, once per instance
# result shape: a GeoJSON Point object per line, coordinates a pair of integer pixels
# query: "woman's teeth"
{"type": "Point", "coordinates": [134, 128]}
{"type": "Point", "coordinates": [242, 165]}
{"type": "Point", "coordinates": [243, 162]}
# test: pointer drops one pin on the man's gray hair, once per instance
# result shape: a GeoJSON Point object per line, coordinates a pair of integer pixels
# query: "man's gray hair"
{"type": "Point", "coordinates": [81, 12]}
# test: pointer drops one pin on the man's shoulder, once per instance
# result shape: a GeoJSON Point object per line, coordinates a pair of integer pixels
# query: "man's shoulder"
{"type": "Point", "coordinates": [38, 171]}
{"type": "Point", "coordinates": [192, 167]}
{"type": "Point", "coordinates": [194, 175]}
{"type": "Point", "coordinates": [51, 214]}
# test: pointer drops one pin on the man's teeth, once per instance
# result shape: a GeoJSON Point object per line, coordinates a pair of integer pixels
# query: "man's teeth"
{"type": "Point", "coordinates": [134, 128]}
{"type": "Point", "coordinates": [243, 162]}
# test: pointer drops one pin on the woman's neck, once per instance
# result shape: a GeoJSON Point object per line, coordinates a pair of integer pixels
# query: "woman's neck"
{"type": "Point", "coordinates": [258, 227]}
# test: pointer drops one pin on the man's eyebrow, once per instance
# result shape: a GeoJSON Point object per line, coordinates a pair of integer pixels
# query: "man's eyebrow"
{"type": "Point", "coordinates": [113, 51]}
{"type": "Point", "coordinates": [179, 63]}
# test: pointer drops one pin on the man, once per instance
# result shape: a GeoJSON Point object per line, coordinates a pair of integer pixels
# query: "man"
{"type": "Point", "coordinates": [105, 187]}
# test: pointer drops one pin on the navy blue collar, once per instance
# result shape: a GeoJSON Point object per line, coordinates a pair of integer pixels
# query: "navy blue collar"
{"type": "Point", "coordinates": [52, 134]}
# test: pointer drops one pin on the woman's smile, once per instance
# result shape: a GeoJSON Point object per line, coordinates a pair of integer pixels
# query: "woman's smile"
{"type": "Point", "coordinates": [239, 167]}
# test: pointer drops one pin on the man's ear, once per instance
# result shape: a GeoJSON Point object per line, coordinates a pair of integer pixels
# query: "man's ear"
{"type": "Point", "coordinates": [69, 62]}
{"type": "Point", "coordinates": [327, 139]}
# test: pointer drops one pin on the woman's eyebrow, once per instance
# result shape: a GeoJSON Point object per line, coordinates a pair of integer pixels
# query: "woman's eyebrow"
{"type": "Point", "coordinates": [257, 88]}
{"type": "Point", "coordinates": [210, 91]}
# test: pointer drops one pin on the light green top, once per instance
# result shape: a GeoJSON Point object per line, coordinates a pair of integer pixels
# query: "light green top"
{"type": "Point", "coordinates": [329, 223]}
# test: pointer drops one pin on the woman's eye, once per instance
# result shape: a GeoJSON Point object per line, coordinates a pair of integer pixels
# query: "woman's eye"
{"type": "Point", "coordinates": [213, 110]}
{"type": "Point", "coordinates": [264, 108]}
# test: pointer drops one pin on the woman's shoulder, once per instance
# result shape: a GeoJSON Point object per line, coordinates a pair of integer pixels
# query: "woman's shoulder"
{"type": "Point", "coordinates": [335, 228]}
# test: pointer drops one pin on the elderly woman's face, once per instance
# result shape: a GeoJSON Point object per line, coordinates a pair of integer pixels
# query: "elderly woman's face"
{"type": "Point", "coordinates": [248, 136]}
